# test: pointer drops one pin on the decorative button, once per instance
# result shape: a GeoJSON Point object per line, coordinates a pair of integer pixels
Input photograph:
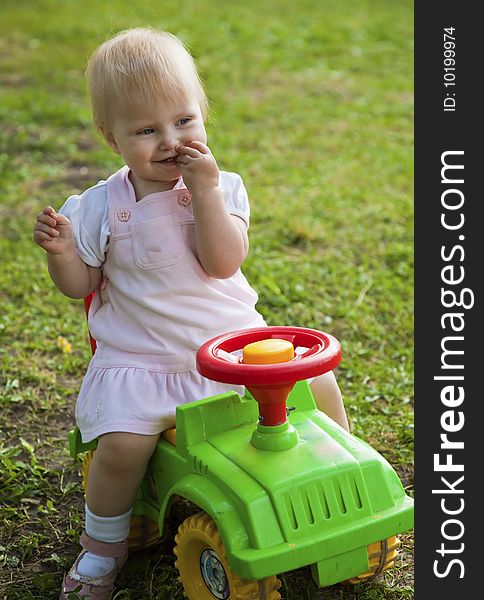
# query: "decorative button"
{"type": "Point", "coordinates": [184, 198]}
{"type": "Point", "coordinates": [124, 215]}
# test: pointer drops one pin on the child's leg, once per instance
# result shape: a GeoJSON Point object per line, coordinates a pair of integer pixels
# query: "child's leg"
{"type": "Point", "coordinates": [118, 467]}
{"type": "Point", "coordinates": [116, 472]}
{"type": "Point", "coordinates": [328, 398]}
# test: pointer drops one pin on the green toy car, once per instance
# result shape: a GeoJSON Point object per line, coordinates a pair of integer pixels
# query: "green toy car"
{"type": "Point", "coordinates": [277, 488]}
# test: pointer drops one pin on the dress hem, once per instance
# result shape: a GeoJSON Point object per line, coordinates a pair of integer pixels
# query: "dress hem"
{"type": "Point", "coordinates": [148, 429]}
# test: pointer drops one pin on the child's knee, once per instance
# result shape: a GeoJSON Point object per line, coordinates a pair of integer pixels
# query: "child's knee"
{"type": "Point", "coordinates": [124, 452]}
{"type": "Point", "coordinates": [326, 387]}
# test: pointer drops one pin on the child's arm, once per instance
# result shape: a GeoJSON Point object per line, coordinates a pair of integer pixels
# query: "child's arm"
{"type": "Point", "coordinates": [221, 238]}
{"type": "Point", "coordinates": [53, 233]}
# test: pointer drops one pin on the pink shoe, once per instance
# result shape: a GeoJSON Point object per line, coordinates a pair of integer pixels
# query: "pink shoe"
{"type": "Point", "coordinates": [94, 588]}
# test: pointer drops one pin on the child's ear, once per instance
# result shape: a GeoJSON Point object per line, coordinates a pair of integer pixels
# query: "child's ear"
{"type": "Point", "coordinates": [109, 137]}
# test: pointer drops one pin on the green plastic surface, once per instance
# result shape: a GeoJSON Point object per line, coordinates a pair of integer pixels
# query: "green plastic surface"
{"type": "Point", "coordinates": [318, 500]}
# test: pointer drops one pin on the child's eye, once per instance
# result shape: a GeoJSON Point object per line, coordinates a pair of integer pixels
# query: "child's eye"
{"type": "Point", "coordinates": [183, 121]}
{"type": "Point", "coordinates": [146, 131]}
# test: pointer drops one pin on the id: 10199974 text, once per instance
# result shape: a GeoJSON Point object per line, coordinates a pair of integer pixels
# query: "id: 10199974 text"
{"type": "Point", "coordinates": [449, 69]}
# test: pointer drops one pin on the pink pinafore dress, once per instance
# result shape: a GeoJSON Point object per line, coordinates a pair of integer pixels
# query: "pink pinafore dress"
{"type": "Point", "coordinates": [155, 307]}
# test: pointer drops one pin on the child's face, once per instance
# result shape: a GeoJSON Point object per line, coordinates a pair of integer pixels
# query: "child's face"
{"type": "Point", "coordinates": [145, 135]}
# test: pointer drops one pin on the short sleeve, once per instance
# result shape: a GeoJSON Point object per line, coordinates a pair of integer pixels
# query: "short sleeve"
{"type": "Point", "coordinates": [88, 214]}
{"type": "Point", "coordinates": [235, 195]}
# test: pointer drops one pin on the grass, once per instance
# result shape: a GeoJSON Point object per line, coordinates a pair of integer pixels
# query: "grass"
{"type": "Point", "coordinates": [312, 104]}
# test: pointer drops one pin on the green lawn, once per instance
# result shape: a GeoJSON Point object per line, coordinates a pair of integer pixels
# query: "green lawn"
{"type": "Point", "coordinates": [312, 103]}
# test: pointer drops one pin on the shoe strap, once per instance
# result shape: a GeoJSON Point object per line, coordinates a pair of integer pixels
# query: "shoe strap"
{"type": "Point", "coordinates": [110, 550]}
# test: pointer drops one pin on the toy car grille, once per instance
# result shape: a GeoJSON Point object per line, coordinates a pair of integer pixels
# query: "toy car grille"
{"type": "Point", "coordinates": [328, 502]}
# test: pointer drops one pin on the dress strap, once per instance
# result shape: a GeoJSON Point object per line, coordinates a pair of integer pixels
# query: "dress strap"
{"type": "Point", "coordinates": [121, 201]}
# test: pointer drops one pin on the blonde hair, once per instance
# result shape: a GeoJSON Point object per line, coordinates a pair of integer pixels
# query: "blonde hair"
{"type": "Point", "coordinates": [141, 61]}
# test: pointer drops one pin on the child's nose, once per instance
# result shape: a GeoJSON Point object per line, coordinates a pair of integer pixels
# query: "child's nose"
{"type": "Point", "coordinates": [168, 141]}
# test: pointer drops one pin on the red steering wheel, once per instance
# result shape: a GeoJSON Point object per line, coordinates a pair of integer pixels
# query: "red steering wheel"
{"type": "Point", "coordinates": [318, 353]}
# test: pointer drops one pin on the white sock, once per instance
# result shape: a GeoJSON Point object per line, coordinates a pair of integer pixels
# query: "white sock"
{"type": "Point", "coordinates": [104, 529]}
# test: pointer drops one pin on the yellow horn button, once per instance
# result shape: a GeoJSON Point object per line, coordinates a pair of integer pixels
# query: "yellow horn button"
{"type": "Point", "coordinates": [268, 352]}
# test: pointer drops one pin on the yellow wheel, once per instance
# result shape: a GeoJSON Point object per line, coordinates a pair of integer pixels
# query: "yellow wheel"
{"type": "Point", "coordinates": [143, 531]}
{"type": "Point", "coordinates": [85, 466]}
{"type": "Point", "coordinates": [381, 556]}
{"type": "Point", "coordinates": [204, 570]}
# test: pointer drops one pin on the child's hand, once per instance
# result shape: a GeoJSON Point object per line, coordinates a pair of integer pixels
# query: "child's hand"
{"type": "Point", "coordinates": [198, 167]}
{"type": "Point", "coordinates": [53, 232]}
